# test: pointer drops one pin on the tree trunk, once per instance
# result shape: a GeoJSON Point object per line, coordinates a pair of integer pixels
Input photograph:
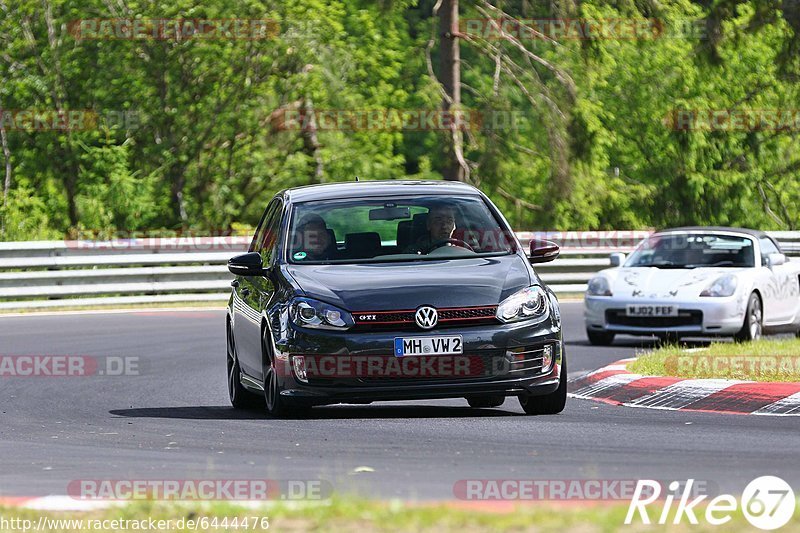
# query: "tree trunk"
{"type": "Point", "coordinates": [450, 75]}
{"type": "Point", "coordinates": [68, 169]}
{"type": "Point", "coordinates": [177, 179]}
{"type": "Point", "coordinates": [7, 182]}
{"type": "Point", "coordinates": [311, 144]}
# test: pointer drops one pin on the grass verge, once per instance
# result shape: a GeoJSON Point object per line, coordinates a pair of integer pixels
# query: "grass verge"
{"type": "Point", "coordinates": [367, 516]}
{"type": "Point", "coordinates": [764, 360]}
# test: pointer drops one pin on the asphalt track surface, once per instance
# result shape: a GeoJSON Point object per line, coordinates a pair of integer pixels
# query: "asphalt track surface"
{"type": "Point", "coordinates": [174, 422]}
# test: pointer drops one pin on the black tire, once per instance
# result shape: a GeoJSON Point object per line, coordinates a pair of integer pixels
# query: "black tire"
{"type": "Point", "coordinates": [753, 325]}
{"type": "Point", "coordinates": [600, 338]}
{"type": "Point", "coordinates": [277, 406]}
{"type": "Point", "coordinates": [549, 404]}
{"type": "Point", "coordinates": [486, 401]}
{"type": "Point", "coordinates": [240, 397]}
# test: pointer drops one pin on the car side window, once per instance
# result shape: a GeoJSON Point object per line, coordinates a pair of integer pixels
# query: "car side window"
{"type": "Point", "coordinates": [259, 231]}
{"type": "Point", "coordinates": [271, 231]}
{"type": "Point", "coordinates": [767, 247]}
{"type": "Point", "coordinates": [258, 238]}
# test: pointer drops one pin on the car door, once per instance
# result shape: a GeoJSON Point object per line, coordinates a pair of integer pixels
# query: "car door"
{"type": "Point", "coordinates": [783, 286]}
{"type": "Point", "coordinates": [252, 291]}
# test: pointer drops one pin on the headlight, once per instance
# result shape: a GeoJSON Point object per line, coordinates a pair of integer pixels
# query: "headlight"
{"type": "Point", "coordinates": [598, 286]}
{"type": "Point", "coordinates": [724, 286]}
{"type": "Point", "coordinates": [556, 310]}
{"type": "Point", "coordinates": [310, 313]}
{"type": "Point", "coordinates": [529, 303]}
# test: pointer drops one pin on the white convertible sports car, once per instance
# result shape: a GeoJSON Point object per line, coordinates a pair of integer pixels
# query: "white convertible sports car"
{"type": "Point", "coordinates": [696, 281]}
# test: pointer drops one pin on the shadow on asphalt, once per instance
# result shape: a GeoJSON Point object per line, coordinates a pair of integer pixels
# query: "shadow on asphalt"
{"type": "Point", "coordinates": [317, 413]}
{"type": "Point", "coordinates": [649, 343]}
{"type": "Point", "coordinates": [189, 413]}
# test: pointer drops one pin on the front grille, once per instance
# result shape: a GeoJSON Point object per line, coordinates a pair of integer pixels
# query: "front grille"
{"type": "Point", "coordinates": [467, 313]}
{"type": "Point", "coordinates": [399, 320]}
{"type": "Point", "coordinates": [617, 317]}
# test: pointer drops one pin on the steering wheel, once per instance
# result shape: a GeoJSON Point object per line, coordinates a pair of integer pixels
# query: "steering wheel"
{"type": "Point", "coordinates": [454, 242]}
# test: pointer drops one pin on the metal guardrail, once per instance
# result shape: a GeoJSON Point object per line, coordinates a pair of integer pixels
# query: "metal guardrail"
{"type": "Point", "coordinates": [42, 274]}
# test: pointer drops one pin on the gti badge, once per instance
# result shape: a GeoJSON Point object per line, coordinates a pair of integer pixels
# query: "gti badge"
{"type": "Point", "coordinates": [426, 317]}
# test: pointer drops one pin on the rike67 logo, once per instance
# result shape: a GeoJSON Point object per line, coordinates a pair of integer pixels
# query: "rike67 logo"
{"type": "Point", "coordinates": [767, 502]}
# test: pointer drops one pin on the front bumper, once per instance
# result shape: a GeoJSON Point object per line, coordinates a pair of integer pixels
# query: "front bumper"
{"type": "Point", "coordinates": [487, 344]}
{"type": "Point", "coordinates": [703, 316]}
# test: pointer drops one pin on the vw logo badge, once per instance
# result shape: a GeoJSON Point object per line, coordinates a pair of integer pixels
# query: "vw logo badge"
{"type": "Point", "coordinates": [426, 317]}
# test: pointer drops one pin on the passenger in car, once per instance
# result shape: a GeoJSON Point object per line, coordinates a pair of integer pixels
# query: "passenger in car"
{"type": "Point", "coordinates": [441, 223]}
{"type": "Point", "coordinates": [314, 241]}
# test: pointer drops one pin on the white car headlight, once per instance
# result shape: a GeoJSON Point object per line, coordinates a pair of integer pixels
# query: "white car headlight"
{"type": "Point", "coordinates": [724, 286]}
{"type": "Point", "coordinates": [309, 313]}
{"type": "Point", "coordinates": [527, 304]}
{"type": "Point", "coordinates": [598, 286]}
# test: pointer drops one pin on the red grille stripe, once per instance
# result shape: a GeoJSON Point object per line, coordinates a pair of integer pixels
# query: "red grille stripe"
{"type": "Point", "coordinates": [445, 315]}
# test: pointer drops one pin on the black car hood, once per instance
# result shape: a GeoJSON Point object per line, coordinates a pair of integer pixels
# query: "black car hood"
{"type": "Point", "coordinates": [400, 286]}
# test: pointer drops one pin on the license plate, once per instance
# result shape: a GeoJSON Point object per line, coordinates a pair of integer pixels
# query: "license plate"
{"type": "Point", "coordinates": [651, 310]}
{"type": "Point", "coordinates": [443, 345]}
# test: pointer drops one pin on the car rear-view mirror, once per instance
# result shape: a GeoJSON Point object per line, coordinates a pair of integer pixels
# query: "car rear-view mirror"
{"type": "Point", "coordinates": [248, 264]}
{"type": "Point", "coordinates": [616, 259]}
{"type": "Point", "coordinates": [543, 251]}
{"type": "Point", "coordinates": [774, 260]}
{"type": "Point", "coordinates": [390, 213]}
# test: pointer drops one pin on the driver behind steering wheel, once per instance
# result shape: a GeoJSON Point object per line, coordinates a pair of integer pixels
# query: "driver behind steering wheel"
{"type": "Point", "coordinates": [441, 223]}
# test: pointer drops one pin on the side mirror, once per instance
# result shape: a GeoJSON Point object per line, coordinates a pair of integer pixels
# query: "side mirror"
{"type": "Point", "coordinates": [616, 259]}
{"type": "Point", "coordinates": [543, 251]}
{"type": "Point", "coordinates": [248, 264]}
{"type": "Point", "coordinates": [774, 260]}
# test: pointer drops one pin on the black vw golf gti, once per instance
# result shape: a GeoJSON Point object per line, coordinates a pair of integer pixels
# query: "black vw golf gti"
{"type": "Point", "coordinates": [398, 290]}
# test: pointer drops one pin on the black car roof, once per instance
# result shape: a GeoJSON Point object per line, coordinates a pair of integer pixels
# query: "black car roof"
{"type": "Point", "coordinates": [356, 189]}
{"type": "Point", "coordinates": [752, 232]}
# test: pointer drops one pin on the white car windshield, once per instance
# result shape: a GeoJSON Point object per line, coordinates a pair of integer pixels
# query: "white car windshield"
{"type": "Point", "coordinates": [693, 250]}
{"type": "Point", "coordinates": [373, 230]}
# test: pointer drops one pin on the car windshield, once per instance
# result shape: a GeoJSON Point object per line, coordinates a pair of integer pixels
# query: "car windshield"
{"type": "Point", "coordinates": [693, 250]}
{"type": "Point", "coordinates": [371, 230]}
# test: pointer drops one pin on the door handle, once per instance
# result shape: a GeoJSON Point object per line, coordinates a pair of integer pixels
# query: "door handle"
{"type": "Point", "coordinates": [245, 292]}
{"type": "Point", "coordinates": [235, 283]}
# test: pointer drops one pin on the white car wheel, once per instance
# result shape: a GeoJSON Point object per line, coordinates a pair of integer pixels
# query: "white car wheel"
{"type": "Point", "coordinates": [753, 320]}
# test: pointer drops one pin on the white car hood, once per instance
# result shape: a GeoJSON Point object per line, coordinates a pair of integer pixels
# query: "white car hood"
{"type": "Point", "coordinates": [651, 282]}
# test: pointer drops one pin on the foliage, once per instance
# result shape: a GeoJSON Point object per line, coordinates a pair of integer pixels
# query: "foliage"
{"type": "Point", "coordinates": [191, 133]}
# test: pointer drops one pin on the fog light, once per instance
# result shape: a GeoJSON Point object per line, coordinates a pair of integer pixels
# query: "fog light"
{"type": "Point", "coordinates": [299, 365]}
{"type": "Point", "coordinates": [547, 358]}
